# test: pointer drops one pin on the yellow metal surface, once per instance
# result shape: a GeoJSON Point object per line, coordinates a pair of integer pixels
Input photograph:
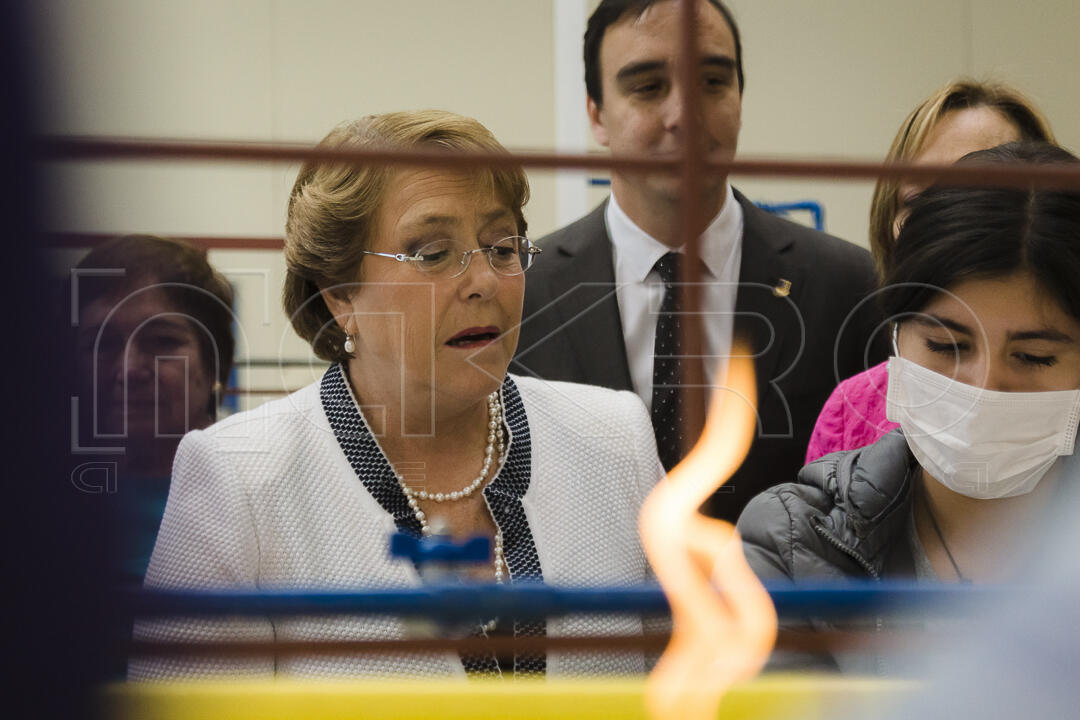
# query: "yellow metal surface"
{"type": "Point", "coordinates": [772, 697]}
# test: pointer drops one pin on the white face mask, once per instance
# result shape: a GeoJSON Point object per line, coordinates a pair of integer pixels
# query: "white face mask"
{"type": "Point", "coordinates": [980, 443]}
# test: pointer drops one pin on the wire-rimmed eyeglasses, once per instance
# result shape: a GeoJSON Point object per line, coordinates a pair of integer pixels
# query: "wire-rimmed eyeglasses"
{"type": "Point", "coordinates": [448, 258]}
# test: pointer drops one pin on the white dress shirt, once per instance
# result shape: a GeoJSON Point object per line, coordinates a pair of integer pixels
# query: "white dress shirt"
{"type": "Point", "coordinates": [640, 290]}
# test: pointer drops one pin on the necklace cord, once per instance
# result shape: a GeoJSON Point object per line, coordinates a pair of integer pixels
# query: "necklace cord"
{"type": "Point", "coordinates": [941, 537]}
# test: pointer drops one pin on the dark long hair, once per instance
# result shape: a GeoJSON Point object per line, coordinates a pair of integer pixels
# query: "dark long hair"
{"type": "Point", "coordinates": [962, 233]}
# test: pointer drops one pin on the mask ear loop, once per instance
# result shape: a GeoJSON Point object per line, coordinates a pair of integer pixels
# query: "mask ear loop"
{"type": "Point", "coordinates": [896, 339]}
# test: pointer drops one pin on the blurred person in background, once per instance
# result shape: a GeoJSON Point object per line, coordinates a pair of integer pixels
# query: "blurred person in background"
{"type": "Point", "coordinates": [155, 348]}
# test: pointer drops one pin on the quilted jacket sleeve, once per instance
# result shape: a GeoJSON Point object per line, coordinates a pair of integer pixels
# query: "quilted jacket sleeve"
{"type": "Point", "coordinates": [766, 529]}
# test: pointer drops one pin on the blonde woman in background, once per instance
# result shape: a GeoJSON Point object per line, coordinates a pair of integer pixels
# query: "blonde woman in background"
{"type": "Point", "coordinates": [959, 118]}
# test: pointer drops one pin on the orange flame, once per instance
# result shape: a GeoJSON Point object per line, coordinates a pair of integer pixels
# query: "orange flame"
{"type": "Point", "coordinates": [724, 623]}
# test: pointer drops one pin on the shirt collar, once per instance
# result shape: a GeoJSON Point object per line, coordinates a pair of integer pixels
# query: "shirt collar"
{"type": "Point", "coordinates": [638, 251]}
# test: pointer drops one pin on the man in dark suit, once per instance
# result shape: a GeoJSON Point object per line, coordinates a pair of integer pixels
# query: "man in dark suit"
{"type": "Point", "coordinates": [597, 302]}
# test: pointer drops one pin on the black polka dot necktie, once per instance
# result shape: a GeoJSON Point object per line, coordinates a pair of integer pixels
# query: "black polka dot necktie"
{"type": "Point", "coordinates": [677, 418]}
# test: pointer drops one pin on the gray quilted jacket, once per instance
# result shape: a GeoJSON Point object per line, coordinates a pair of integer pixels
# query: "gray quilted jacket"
{"type": "Point", "coordinates": [845, 516]}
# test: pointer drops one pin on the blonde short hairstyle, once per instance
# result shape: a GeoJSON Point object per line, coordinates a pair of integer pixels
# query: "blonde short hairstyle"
{"type": "Point", "coordinates": [911, 138]}
{"type": "Point", "coordinates": [333, 206]}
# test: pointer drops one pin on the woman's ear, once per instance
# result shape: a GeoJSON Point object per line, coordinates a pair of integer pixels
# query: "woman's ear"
{"type": "Point", "coordinates": [339, 301]}
{"type": "Point", "coordinates": [217, 393]}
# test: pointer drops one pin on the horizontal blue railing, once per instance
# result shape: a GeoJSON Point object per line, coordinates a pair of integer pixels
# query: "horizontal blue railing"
{"type": "Point", "coordinates": [817, 212]}
{"type": "Point", "coordinates": [457, 602]}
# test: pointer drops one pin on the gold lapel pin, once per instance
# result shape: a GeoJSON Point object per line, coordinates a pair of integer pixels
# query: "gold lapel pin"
{"type": "Point", "coordinates": [782, 289]}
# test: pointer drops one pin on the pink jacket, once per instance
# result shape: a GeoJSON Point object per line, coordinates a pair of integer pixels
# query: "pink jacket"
{"type": "Point", "coordinates": [853, 416]}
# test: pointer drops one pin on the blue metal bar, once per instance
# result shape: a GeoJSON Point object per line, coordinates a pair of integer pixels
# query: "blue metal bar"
{"type": "Point", "coordinates": [462, 602]}
{"type": "Point", "coordinates": [817, 212]}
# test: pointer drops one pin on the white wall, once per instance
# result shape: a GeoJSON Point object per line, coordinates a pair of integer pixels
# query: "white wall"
{"type": "Point", "coordinates": [825, 78]}
{"type": "Point", "coordinates": [834, 78]}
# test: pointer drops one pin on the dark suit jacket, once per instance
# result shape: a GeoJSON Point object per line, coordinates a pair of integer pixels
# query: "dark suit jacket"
{"type": "Point", "coordinates": [805, 343]}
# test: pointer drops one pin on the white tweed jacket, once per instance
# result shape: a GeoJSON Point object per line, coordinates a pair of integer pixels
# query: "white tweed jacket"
{"type": "Point", "coordinates": [297, 494]}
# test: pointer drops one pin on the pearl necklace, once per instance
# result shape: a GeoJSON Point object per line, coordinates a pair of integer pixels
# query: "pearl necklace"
{"type": "Point", "coordinates": [496, 440]}
{"type": "Point", "coordinates": [495, 435]}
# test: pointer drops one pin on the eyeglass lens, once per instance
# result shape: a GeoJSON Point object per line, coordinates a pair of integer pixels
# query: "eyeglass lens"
{"type": "Point", "coordinates": [509, 256]}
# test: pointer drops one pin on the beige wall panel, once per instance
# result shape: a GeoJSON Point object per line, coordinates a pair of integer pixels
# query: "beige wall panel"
{"type": "Point", "coordinates": [834, 78]}
{"type": "Point", "coordinates": [198, 69]}
{"type": "Point", "coordinates": [175, 198]}
{"type": "Point", "coordinates": [1035, 45]}
{"type": "Point", "coordinates": [489, 59]}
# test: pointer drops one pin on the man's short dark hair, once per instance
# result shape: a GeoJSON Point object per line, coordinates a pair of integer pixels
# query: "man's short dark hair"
{"type": "Point", "coordinates": [610, 12]}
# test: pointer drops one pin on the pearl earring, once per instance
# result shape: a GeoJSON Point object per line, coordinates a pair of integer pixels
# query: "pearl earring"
{"type": "Point", "coordinates": [350, 346]}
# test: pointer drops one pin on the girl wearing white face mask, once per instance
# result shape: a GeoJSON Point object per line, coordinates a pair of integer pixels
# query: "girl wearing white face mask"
{"type": "Point", "coordinates": [956, 119]}
{"type": "Point", "coordinates": [985, 384]}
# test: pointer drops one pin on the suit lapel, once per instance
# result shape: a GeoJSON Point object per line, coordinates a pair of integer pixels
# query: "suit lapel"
{"type": "Point", "coordinates": [584, 297]}
{"type": "Point", "coordinates": [764, 311]}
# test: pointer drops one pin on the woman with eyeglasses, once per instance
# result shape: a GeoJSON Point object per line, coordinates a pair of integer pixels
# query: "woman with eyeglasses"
{"type": "Point", "coordinates": [984, 384]}
{"type": "Point", "coordinates": [410, 282]}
